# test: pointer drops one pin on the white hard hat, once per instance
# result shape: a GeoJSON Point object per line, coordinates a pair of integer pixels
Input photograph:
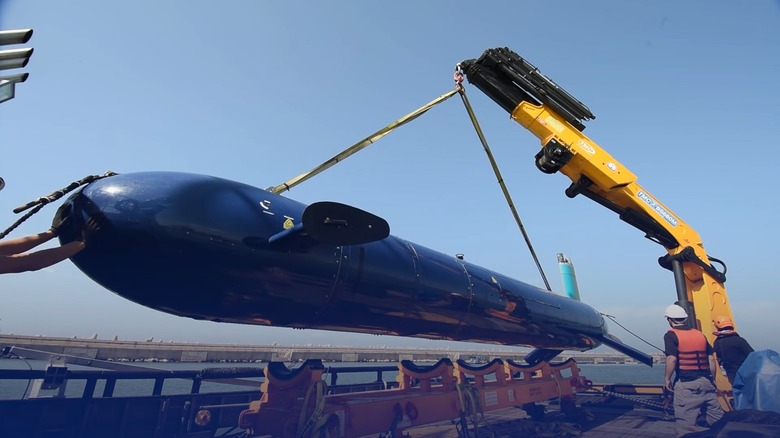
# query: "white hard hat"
{"type": "Point", "coordinates": [675, 312]}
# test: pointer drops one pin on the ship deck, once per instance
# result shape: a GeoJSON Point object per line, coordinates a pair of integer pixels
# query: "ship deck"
{"type": "Point", "coordinates": [608, 418]}
{"type": "Point", "coordinates": [601, 411]}
{"type": "Point", "coordinates": [103, 413]}
{"type": "Point", "coordinates": [602, 418]}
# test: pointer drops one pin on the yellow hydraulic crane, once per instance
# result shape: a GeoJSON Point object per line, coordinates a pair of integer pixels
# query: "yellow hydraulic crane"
{"type": "Point", "coordinates": [556, 118]}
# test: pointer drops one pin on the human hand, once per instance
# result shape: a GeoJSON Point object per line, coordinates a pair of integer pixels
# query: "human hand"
{"type": "Point", "coordinates": [56, 226]}
{"type": "Point", "coordinates": [91, 226]}
{"type": "Point", "coordinates": [668, 384]}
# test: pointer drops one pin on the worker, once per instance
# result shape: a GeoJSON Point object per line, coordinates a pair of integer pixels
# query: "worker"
{"type": "Point", "coordinates": [14, 258]}
{"type": "Point", "coordinates": [690, 357]}
{"type": "Point", "coordinates": [730, 348]}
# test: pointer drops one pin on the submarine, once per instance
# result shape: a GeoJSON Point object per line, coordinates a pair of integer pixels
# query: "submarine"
{"type": "Point", "coordinates": [209, 248]}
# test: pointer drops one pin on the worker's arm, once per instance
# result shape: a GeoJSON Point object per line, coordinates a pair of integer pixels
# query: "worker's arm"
{"type": "Point", "coordinates": [37, 260]}
{"type": "Point", "coordinates": [22, 244]}
{"type": "Point", "coordinates": [671, 365]}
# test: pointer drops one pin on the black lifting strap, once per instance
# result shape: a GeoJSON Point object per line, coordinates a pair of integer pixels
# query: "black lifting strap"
{"type": "Point", "coordinates": [500, 179]}
{"type": "Point", "coordinates": [689, 255]}
{"type": "Point", "coordinates": [51, 197]}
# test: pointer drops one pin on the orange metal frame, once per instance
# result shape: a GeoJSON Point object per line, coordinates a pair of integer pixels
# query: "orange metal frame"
{"type": "Point", "coordinates": [426, 394]}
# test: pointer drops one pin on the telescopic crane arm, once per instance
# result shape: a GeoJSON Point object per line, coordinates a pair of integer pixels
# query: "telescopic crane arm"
{"type": "Point", "coordinates": [556, 118]}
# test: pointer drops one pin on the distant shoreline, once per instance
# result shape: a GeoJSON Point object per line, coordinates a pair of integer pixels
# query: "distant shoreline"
{"type": "Point", "coordinates": [151, 351]}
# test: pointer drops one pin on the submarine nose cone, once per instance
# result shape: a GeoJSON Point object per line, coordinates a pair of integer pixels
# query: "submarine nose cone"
{"type": "Point", "coordinates": [156, 237]}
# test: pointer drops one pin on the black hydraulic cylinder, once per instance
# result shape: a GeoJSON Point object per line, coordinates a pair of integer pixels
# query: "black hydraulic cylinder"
{"type": "Point", "coordinates": [509, 80]}
{"type": "Point", "coordinates": [495, 86]}
{"type": "Point", "coordinates": [682, 292]}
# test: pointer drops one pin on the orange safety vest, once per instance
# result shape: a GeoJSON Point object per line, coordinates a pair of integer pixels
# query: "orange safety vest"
{"type": "Point", "coordinates": [692, 350]}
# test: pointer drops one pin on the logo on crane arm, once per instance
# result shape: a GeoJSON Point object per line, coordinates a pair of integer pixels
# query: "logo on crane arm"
{"type": "Point", "coordinates": [586, 147]}
{"type": "Point", "coordinates": [550, 121]}
{"type": "Point", "coordinates": [657, 207]}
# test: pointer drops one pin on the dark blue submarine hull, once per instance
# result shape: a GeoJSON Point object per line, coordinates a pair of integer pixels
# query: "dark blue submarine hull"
{"type": "Point", "coordinates": [209, 248]}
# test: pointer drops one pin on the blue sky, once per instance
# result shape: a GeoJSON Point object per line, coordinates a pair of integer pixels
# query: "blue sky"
{"type": "Point", "coordinates": [685, 95]}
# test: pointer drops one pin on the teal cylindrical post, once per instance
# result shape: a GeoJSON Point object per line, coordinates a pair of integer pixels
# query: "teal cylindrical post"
{"type": "Point", "coordinates": [568, 277]}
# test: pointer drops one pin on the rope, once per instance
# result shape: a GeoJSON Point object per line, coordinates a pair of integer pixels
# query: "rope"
{"type": "Point", "coordinates": [391, 431]}
{"type": "Point", "coordinates": [527, 427]}
{"type": "Point", "coordinates": [462, 424]}
{"type": "Point", "coordinates": [471, 409]}
{"type": "Point", "coordinates": [635, 335]}
{"type": "Point", "coordinates": [500, 179]}
{"type": "Point", "coordinates": [21, 220]}
{"type": "Point", "coordinates": [362, 144]}
{"type": "Point", "coordinates": [313, 423]}
{"type": "Point", "coordinates": [664, 408]}
{"type": "Point", "coordinates": [51, 197]}
{"type": "Point", "coordinates": [558, 386]}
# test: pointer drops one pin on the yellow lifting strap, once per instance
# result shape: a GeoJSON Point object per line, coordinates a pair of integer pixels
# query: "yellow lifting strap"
{"type": "Point", "coordinates": [458, 76]}
{"type": "Point", "coordinates": [362, 144]}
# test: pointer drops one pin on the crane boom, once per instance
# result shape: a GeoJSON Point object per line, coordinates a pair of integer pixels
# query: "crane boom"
{"type": "Point", "coordinates": [556, 118]}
